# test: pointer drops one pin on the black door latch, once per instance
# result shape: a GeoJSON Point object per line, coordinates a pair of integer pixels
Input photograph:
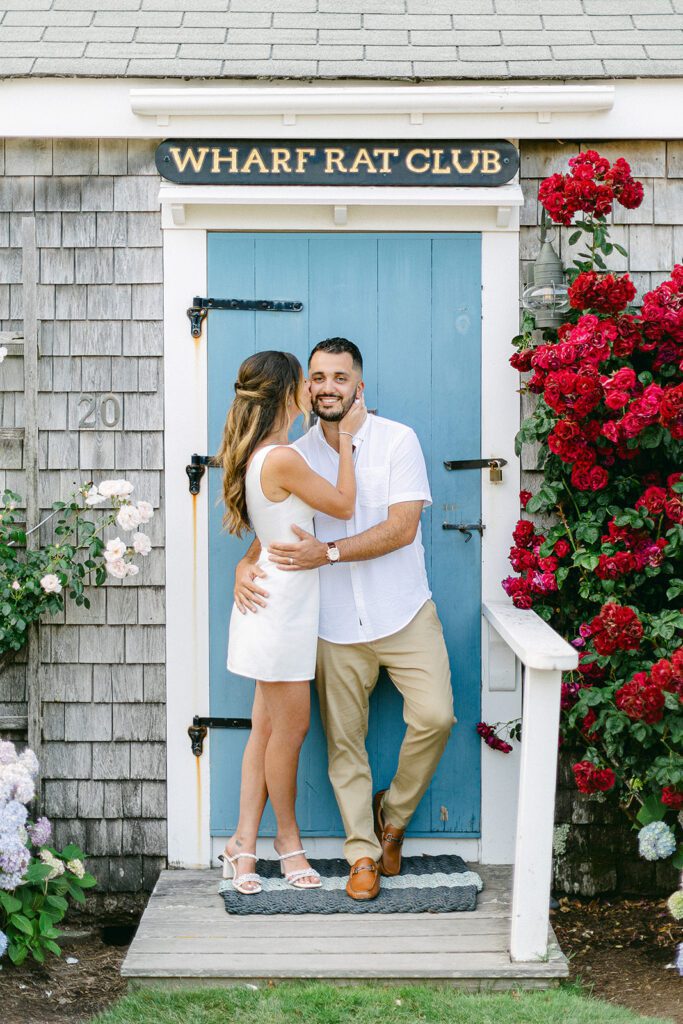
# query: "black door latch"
{"type": "Point", "coordinates": [465, 528]}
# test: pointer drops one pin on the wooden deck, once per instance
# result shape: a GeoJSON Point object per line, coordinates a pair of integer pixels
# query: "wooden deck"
{"type": "Point", "coordinates": [186, 939]}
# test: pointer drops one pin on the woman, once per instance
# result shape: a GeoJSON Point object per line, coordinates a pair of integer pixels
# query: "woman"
{"type": "Point", "coordinates": [268, 486]}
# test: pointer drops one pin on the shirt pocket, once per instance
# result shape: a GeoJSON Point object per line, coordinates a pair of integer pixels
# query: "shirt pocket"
{"type": "Point", "coordinates": [372, 485]}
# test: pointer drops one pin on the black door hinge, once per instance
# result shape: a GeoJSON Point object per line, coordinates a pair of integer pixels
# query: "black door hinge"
{"type": "Point", "coordinates": [200, 307]}
{"type": "Point", "coordinates": [200, 727]}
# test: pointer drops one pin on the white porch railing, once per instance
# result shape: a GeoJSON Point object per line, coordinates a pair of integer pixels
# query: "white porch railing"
{"type": "Point", "coordinates": [544, 655]}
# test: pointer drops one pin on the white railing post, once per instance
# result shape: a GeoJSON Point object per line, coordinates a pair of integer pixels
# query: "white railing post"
{"type": "Point", "coordinates": [535, 815]}
{"type": "Point", "coordinates": [544, 655]}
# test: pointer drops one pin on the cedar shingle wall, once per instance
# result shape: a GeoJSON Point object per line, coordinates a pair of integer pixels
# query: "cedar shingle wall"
{"type": "Point", "coordinates": [100, 297]}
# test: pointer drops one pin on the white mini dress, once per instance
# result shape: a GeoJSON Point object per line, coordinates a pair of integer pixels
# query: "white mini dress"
{"type": "Point", "coordinates": [277, 643]}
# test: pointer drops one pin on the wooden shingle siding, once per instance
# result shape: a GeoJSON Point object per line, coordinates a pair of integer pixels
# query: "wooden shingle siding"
{"type": "Point", "coordinates": [99, 238]}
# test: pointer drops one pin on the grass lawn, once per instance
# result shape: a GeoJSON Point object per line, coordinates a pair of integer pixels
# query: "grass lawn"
{"type": "Point", "coordinates": [317, 1003]}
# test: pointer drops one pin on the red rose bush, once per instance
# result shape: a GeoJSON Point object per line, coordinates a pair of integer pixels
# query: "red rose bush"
{"type": "Point", "coordinates": [607, 574]}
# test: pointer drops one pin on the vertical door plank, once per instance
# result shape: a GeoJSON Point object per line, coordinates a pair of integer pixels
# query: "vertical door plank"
{"type": "Point", "coordinates": [456, 562]}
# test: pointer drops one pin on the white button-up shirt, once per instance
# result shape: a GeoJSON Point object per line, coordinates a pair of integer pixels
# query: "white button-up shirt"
{"type": "Point", "coordinates": [370, 599]}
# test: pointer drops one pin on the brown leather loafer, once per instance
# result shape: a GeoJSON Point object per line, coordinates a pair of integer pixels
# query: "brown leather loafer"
{"type": "Point", "coordinates": [363, 883]}
{"type": "Point", "coordinates": [390, 837]}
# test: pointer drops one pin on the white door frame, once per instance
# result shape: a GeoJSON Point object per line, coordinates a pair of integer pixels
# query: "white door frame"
{"type": "Point", "coordinates": [188, 213]}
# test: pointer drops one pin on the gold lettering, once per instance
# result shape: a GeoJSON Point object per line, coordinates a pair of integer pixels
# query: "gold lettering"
{"type": "Point", "coordinates": [455, 153]}
{"type": "Point", "coordinates": [490, 161]}
{"type": "Point", "coordinates": [197, 161]}
{"type": "Point", "coordinates": [281, 158]}
{"type": "Point", "coordinates": [437, 168]}
{"type": "Point", "coordinates": [363, 158]}
{"type": "Point", "coordinates": [384, 153]}
{"type": "Point", "coordinates": [334, 161]}
{"type": "Point", "coordinates": [302, 156]}
{"type": "Point", "coordinates": [254, 158]}
{"type": "Point", "coordinates": [410, 160]}
{"type": "Point", "coordinates": [230, 160]}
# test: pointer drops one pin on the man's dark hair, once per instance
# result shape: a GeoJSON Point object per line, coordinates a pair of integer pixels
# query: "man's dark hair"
{"type": "Point", "coordinates": [338, 345]}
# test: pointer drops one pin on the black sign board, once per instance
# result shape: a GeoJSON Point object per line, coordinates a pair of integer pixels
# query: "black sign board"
{"type": "Point", "coordinates": [321, 162]}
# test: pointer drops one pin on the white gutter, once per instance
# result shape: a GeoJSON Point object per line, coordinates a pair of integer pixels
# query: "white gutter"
{"type": "Point", "coordinates": [415, 101]}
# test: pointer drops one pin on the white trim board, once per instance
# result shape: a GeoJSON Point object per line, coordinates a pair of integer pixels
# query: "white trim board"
{"type": "Point", "coordinates": [101, 108]}
{"type": "Point", "coordinates": [211, 206]}
{"type": "Point", "coordinates": [185, 371]}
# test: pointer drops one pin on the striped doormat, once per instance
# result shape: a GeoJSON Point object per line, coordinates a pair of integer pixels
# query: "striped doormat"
{"type": "Point", "coordinates": [426, 884]}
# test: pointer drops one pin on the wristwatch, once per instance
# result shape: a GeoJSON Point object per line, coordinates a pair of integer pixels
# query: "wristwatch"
{"type": "Point", "coordinates": [333, 552]}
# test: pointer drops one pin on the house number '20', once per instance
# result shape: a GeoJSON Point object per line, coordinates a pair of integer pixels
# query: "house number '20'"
{"type": "Point", "coordinates": [99, 412]}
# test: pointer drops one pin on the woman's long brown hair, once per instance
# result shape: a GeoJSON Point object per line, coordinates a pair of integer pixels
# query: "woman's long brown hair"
{"type": "Point", "coordinates": [265, 385]}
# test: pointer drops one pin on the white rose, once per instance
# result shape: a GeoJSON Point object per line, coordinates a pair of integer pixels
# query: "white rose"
{"type": "Point", "coordinates": [93, 497]}
{"type": "Point", "coordinates": [118, 568]}
{"type": "Point", "coordinates": [128, 517]}
{"type": "Point", "coordinates": [3, 352]}
{"type": "Point", "coordinates": [132, 568]}
{"type": "Point", "coordinates": [115, 488]}
{"type": "Point", "coordinates": [142, 545]}
{"type": "Point", "coordinates": [114, 549]}
{"type": "Point", "coordinates": [51, 584]}
{"type": "Point", "coordinates": [146, 511]}
{"type": "Point", "coordinates": [16, 585]}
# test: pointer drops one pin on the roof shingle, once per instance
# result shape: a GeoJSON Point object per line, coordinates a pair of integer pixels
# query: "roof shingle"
{"type": "Point", "coordinates": [378, 39]}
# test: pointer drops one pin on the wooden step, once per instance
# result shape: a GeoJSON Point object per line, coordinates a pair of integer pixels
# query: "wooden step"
{"type": "Point", "coordinates": [186, 938]}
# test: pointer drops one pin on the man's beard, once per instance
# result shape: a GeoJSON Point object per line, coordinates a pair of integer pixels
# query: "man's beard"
{"type": "Point", "coordinates": [333, 415]}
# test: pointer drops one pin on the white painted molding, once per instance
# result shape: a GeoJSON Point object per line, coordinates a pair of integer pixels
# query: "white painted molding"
{"type": "Point", "coordinates": [499, 203]}
{"type": "Point", "coordinates": [413, 100]}
{"type": "Point", "coordinates": [534, 642]}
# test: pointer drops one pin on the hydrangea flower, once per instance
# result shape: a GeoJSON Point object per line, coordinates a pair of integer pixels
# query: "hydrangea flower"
{"type": "Point", "coordinates": [12, 817]}
{"type": "Point", "coordinates": [28, 759]}
{"type": "Point", "coordinates": [76, 868]}
{"type": "Point", "coordinates": [679, 958]}
{"type": "Point", "coordinates": [40, 833]}
{"type": "Point", "coordinates": [55, 863]}
{"type": "Point", "coordinates": [14, 860]}
{"type": "Point", "coordinates": [656, 841]}
{"type": "Point", "coordinates": [8, 754]}
{"type": "Point", "coordinates": [675, 904]}
{"type": "Point", "coordinates": [3, 944]}
{"type": "Point", "coordinates": [16, 784]}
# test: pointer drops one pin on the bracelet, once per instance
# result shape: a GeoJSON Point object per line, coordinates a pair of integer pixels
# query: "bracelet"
{"type": "Point", "coordinates": [347, 432]}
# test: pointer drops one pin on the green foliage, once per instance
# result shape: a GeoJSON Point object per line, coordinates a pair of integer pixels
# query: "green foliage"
{"type": "Point", "coordinates": [29, 914]}
{"type": "Point", "coordinates": [76, 558]}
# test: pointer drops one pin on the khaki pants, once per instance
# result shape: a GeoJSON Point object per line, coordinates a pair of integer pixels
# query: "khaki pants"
{"type": "Point", "coordinates": [346, 674]}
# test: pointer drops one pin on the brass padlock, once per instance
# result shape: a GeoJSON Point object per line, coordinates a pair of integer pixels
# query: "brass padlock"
{"type": "Point", "coordinates": [495, 472]}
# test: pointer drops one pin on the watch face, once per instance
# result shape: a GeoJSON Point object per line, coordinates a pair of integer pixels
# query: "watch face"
{"type": "Point", "coordinates": [333, 554]}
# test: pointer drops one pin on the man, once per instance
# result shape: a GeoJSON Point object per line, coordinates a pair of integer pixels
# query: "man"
{"type": "Point", "coordinates": [375, 612]}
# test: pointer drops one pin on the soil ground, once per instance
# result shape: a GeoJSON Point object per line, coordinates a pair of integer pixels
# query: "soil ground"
{"type": "Point", "coordinates": [623, 951]}
{"type": "Point", "coordinates": [620, 950]}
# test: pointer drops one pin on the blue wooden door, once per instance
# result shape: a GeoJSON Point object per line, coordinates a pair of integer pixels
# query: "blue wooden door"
{"type": "Point", "coordinates": [412, 303]}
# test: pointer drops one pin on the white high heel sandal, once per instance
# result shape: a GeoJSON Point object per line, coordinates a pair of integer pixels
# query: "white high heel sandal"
{"type": "Point", "coordinates": [230, 872]}
{"type": "Point", "coordinates": [294, 878]}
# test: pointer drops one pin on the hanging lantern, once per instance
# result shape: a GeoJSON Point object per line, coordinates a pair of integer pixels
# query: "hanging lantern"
{"type": "Point", "coordinates": [547, 296]}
